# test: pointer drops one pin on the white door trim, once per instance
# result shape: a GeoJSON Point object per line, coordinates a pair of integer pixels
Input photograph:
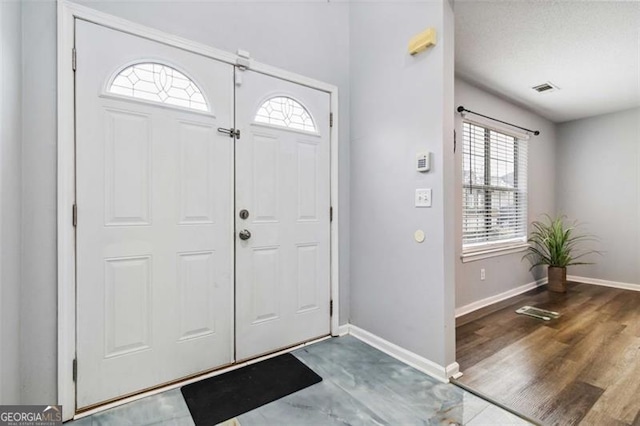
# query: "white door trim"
{"type": "Point", "coordinates": [67, 13]}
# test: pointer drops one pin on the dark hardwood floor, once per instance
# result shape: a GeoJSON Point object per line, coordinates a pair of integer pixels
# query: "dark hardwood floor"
{"type": "Point", "coordinates": [582, 368]}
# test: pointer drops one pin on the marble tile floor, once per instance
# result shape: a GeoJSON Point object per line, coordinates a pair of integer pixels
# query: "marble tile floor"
{"type": "Point", "coordinates": [361, 386]}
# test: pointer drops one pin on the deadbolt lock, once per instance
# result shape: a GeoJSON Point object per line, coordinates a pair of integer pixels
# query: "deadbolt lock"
{"type": "Point", "coordinates": [244, 213]}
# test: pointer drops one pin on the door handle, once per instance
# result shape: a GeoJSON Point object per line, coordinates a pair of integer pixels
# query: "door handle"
{"type": "Point", "coordinates": [244, 234]}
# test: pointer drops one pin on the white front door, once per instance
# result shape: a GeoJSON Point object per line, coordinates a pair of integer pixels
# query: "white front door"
{"type": "Point", "coordinates": [154, 200]}
{"type": "Point", "coordinates": [155, 214]}
{"type": "Point", "coordinates": [282, 246]}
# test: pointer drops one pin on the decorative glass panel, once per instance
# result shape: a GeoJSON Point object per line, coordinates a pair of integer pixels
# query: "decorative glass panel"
{"type": "Point", "coordinates": [158, 83]}
{"type": "Point", "coordinates": [285, 112]}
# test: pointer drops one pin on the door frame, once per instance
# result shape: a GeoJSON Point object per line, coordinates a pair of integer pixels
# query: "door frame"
{"type": "Point", "coordinates": [66, 233]}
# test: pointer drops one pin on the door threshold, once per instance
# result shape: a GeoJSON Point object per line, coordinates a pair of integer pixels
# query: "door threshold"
{"type": "Point", "coordinates": [191, 379]}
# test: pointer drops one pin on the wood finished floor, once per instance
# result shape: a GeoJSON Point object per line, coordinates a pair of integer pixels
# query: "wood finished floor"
{"type": "Point", "coordinates": [583, 368]}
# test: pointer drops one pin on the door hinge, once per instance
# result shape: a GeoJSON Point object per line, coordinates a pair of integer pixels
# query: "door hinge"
{"type": "Point", "coordinates": [330, 308]}
{"type": "Point", "coordinates": [233, 133]}
{"type": "Point", "coordinates": [330, 214]}
{"type": "Point", "coordinates": [74, 215]}
{"type": "Point", "coordinates": [75, 370]}
{"type": "Point", "coordinates": [73, 59]}
{"type": "Point", "coordinates": [330, 119]}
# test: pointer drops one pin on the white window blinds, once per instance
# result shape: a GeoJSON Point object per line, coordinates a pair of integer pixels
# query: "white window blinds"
{"type": "Point", "coordinates": [494, 200]}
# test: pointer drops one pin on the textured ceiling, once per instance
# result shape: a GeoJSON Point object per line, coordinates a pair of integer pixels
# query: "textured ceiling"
{"type": "Point", "coordinates": [589, 49]}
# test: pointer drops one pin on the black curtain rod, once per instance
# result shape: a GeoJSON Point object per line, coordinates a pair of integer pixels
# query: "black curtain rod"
{"type": "Point", "coordinates": [463, 109]}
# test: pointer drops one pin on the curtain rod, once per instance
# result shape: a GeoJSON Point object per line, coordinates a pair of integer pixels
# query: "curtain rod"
{"type": "Point", "coordinates": [463, 109]}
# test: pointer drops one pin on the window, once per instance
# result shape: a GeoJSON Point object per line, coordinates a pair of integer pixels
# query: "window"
{"type": "Point", "coordinates": [494, 200]}
{"type": "Point", "coordinates": [285, 112]}
{"type": "Point", "coordinates": [158, 83]}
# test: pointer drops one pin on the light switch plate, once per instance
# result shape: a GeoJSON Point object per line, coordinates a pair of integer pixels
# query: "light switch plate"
{"type": "Point", "coordinates": [423, 197]}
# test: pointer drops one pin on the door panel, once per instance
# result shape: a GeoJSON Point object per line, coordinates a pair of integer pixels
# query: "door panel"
{"type": "Point", "coordinates": [155, 232]}
{"type": "Point", "coordinates": [282, 179]}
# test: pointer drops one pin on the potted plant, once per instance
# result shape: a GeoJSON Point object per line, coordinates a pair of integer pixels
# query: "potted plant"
{"type": "Point", "coordinates": [556, 244]}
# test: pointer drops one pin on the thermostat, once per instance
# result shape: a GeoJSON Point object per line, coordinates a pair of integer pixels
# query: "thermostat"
{"type": "Point", "coordinates": [423, 161]}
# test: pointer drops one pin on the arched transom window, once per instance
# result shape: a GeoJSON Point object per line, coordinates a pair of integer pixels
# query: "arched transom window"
{"type": "Point", "coordinates": [158, 83]}
{"type": "Point", "coordinates": [285, 112]}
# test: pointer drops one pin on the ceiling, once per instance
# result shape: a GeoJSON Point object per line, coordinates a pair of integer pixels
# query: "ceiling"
{"type": "Point", "coordinates": [589, 49]}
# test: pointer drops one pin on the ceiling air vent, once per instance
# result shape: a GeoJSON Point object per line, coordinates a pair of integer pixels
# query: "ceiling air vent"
{"type": "Point", "coordinates": [545, 88]}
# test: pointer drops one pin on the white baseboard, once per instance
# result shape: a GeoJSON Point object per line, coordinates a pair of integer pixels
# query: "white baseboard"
{"type": "Point", "coordinates": [343, 330]}
{"type": "Point", "coordinates": [474, 306]}
{"type": "Point", "coordinates": [434, 370]}
{"type": "Point", "coordinates": [605, 283]}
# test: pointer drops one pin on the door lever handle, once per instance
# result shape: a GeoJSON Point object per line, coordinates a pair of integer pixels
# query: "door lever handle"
{"type": "Point", "coordinates": [244, 234]}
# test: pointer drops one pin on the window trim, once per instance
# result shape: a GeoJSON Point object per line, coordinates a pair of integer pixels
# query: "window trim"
{"type": "Point", "coordinates": [487, 249]}
{"type": "Point", "coordinates": [154, 104]}
{"type": "Point", "coordinates": [276, 127]}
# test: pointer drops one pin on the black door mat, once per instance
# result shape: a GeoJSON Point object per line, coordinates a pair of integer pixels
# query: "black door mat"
{"type": "Point", "coordinates": [228, 395]}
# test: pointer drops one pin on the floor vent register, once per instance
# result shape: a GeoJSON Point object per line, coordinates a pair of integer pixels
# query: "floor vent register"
{"type": "Point", "coordinates": [542, 314]}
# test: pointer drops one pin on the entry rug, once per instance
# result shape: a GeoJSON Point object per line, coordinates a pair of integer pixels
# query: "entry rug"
{"type": "Point", "coordinates": [538, 313]}
{"type": "Point", "coordinates": [228, 395]}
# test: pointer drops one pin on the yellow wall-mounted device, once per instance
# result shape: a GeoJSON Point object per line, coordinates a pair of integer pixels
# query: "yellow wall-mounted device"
{"type": "Point", "coordinates": [421, 41]}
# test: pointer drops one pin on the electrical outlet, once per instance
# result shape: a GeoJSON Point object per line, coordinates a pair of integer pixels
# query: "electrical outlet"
{"type": "Point", "coordinates": [482, 274]}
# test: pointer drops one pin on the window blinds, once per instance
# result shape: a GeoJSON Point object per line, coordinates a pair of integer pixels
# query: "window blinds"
{"type": "Point", "coordinates": [494, 200]}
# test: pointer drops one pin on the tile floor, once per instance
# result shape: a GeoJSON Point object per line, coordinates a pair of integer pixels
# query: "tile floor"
{"type": "Point", "coordinates": [361, 386]}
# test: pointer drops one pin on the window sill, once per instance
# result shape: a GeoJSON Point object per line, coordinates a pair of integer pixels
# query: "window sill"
{"type": "Point", "coordinates": [475, 255]}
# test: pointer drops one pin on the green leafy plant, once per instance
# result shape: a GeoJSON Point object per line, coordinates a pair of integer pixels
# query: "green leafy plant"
{"type": "Point", "coordinates": [553, 242]}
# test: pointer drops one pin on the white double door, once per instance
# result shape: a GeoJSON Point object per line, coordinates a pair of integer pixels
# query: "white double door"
{"type": "Point", "coordinates": [166, 288]}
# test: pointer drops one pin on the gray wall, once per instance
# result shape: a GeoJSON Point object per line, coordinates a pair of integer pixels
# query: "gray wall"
{"type": "Point", "coordinates": [38, 306]}
{"type": "Point", "coordinates": [398, 289]}
{"type": "Point", "coordinates": [10, 127]}
{"type": "Point", "coordinates": [505, 272]}
{"type": "Point", "coordinates": [308, 38]}
{"type": "Point", "coordinates": [598, 185]}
